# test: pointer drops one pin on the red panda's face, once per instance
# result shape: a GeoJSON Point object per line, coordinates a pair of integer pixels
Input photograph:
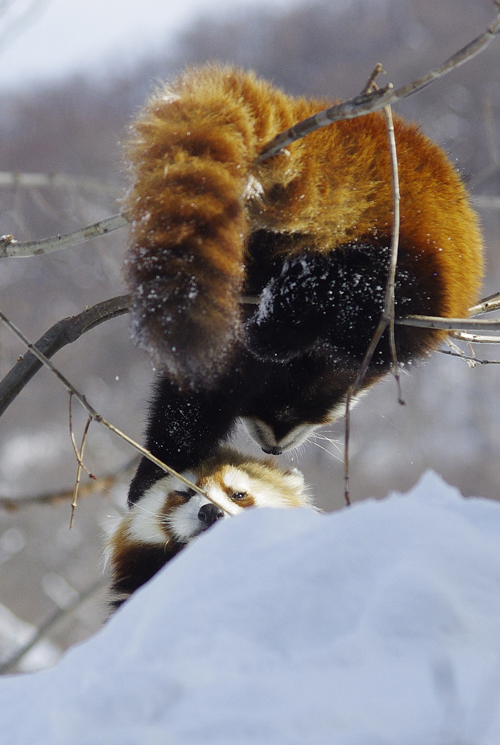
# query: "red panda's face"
{"type": "Point", "coordinates": [275, 437]}
{"type": "Point", "coordinates": [169, 510]}
{"type": "Point", "coordinates": [169, 514]}
{"type": "Point", "coordinates": [294, 399]}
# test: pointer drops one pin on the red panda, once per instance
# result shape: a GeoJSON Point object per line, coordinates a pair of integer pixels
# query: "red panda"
{"type": "Point", "coordinates": [308, 231]}
{"type": "Point", "coordinates": [168, 516]}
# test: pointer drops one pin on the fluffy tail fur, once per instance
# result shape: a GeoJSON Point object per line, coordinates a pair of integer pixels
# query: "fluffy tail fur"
{"type": "Point", "coordinates": [191, 154]}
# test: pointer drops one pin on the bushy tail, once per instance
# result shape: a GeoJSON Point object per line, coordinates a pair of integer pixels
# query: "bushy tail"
{"type": "Point", "coordinates": [190, 154]}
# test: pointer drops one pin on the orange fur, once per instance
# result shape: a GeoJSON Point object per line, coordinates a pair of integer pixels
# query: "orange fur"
{"type": "Point", "coordinates": [193, 206]}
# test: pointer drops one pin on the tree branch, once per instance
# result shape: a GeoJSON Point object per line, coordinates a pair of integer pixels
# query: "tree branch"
{"type": "Point", "coordinates": [449, 324]}
{"type": "Point", "coordinates": [9, 247]}
{"type": "Point", "coordinates": [367, 102]}
{"type": "Point", "coordinates": [91, 487]}
{"type": "Point", "coordinates": [61, 333]}
{"type": "Point", "coordinates": [95, 416]}
{"type": "Point", "coordinates": [387, 318]}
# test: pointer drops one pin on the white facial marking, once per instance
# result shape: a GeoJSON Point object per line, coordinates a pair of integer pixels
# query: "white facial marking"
{"type": "Point", "coordinates": [338, 411]}
{"type": "Point", "coordinates": [149, 524]}
{"type": "Point", "coordinates": [144, 524]}
{"type": "Point", "coordinates": [184, 524]}
{"type": "Point", "coordinates": [236, 480]}
{"type": "Point", "coordinates": [264, 434]}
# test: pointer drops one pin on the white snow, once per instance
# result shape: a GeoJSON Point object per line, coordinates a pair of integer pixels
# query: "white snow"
{"type": "Point", "coordinates": [375, 625]}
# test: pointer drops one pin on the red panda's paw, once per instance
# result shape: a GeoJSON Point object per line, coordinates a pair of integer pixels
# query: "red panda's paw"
{"type": "Point", "coordinates": [331, 305]}
{"type": "Point", "coordinates": [319, 303]}
{"type": "Point", "coordinates": [276, 334]}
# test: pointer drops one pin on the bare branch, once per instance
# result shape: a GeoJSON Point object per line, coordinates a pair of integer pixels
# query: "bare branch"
{"type": "Point", "coordinates": [467, 358]}
{"type": "Point", "coordinates": [63, 332]}
{"type": "Point", "coordinates": [95, 416]}
{"type": "Point", "coordinates": [449, 324]}
{"type": "Point", "coordinates": [367, 102]}
{"type": "Point", "coordinates": [88, 489]}
{"type": "Point", "coordinates": [9, 247]}
{"type": "Point", "coordinates": [387, 317]}
{"type": "Point", "coordinates": [389, 303]}
{"type": "Point", "coordinates": [347, 440]}
{"type": "Point", "coordinates": [486, 305]}
{"type": "Point", "coordinates": [79, 451]}
{"type": "Point", "coordinates": [475, 338]}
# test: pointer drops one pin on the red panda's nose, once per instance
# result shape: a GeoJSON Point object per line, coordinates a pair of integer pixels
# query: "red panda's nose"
{"type": "Point", "coordinates": [274, 450]}
{"type": "Point", "coordinates": [209, 514]}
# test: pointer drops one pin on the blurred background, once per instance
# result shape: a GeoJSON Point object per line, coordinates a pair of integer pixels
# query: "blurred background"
{"type": "Point", "coordinates": [67, 95]}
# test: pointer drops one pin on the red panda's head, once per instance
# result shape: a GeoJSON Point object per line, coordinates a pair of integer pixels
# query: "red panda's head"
{"type": "Point", "coordinates": [169, 515]}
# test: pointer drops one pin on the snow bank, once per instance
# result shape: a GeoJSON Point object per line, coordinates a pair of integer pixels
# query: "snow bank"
{"type": "Point", "coordinates": [376, 625]}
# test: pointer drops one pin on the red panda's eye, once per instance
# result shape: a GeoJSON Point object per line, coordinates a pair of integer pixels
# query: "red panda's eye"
{"type": "Point", "coordinates": [186, 494]}
{"type": "Point", "coordinates": [238, 495]}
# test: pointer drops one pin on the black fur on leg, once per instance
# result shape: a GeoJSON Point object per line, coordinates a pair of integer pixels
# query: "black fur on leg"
{"type": "Point", "coordinates": [185, 428]}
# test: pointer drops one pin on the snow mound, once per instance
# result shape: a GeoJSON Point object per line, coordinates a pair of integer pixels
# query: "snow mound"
{"type": "Point", "coordinates": [376, 625]}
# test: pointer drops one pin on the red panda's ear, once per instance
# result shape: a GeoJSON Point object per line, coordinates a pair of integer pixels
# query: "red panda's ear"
{"type": "Point", "coordinates": [295, 478]}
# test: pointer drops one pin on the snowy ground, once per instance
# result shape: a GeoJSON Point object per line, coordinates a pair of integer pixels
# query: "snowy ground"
{"type": "Point", "coordinates": [376, 625]}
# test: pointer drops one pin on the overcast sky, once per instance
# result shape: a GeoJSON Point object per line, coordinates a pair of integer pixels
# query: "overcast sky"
{"type": "Point", "coordinates": [69, 35]}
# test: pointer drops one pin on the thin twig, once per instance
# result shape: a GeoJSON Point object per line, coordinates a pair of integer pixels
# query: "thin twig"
{"type": "Point", "coordinates": [59, 335]}
{"type": "Point", "coordinates": [95, 416]}
{"type": "Point", "coordinates": [475, 338]}
{"type": "Point", "coordinates": [449, 324]}
{"type": "Point", "coordinates": [468, 358]}
{"type": "Point", "coordinates": [486, 305]}
{"type": "Point", "coordinates": [347, 440]}
{"type": "Point", "coordinates": [76, 449]}
{"type": "Point", "coordinates": [389, 303]}
{"type": "Point", "coordinates": [387, 318]}
{"type": "Point", "coordinates": [79, 452]}
{"type": "Point", "coordinates": [9, 247]}
{"type": "Point", "coordinates": [370, 84]}
{"type": "Point", "coordinates": [98, 484]}
{"type": "Point", "coordinates": [367, 102]}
